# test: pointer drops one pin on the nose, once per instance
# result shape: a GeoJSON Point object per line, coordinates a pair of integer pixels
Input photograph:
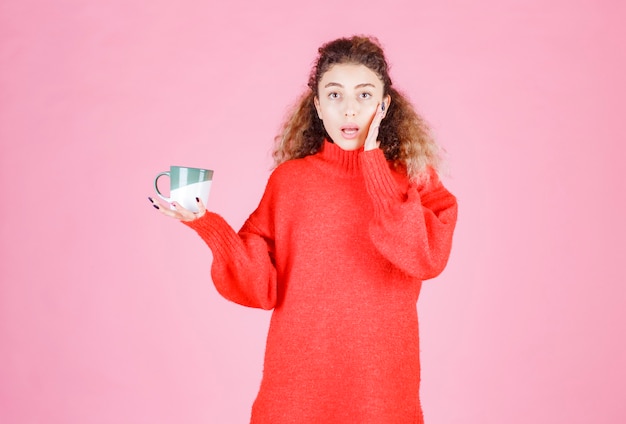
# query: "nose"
{"type": "Point", "coordinates": [351, 108]}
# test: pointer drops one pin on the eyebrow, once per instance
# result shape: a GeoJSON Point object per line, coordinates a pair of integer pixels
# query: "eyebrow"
{"type": "Point", "coordinates": [336, 84]}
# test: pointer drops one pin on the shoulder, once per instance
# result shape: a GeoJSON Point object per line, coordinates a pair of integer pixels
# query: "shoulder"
{"type": "Point", "coordinates": [285, 183]}
{"type": "Point", "coordinates": [290, 171]}
{"type": "Point", "coordinates": [286, 177]}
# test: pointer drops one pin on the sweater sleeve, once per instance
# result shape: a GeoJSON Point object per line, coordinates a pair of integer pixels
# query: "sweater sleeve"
{"type": "Point", "coordinates": [243, 269]}
{"type": "Point", "coordinates": [412, 225]}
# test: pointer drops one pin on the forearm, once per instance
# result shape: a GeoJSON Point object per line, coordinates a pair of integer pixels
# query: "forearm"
{"type": "Point", "coordinates": [242, 268]}
{"type": "Point", "coordinates": [411, 227]}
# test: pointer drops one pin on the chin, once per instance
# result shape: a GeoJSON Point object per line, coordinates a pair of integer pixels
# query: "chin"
{"type": "Point", "coordinates": [349, 144]}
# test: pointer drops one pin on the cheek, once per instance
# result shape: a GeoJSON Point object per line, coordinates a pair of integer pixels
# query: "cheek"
{"type": "Point", "coordinates": [328, 107]}
{"type": "Point", "coordinates": [370, 111]}
{"type": "Point", "coordinates": [329, 125]}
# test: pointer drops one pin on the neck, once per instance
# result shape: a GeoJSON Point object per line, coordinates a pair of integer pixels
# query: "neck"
{"type": "Point", "coordinates": [345, 160]}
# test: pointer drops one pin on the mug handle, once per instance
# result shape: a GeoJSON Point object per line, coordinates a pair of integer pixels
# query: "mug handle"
{"type": "Point", "coordinates": [156, 187]}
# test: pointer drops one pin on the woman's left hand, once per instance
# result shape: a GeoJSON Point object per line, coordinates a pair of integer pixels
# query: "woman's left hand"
{"type": "Point", "coordinates": [179, 212]}
{"type": "Point", "coordinates": [371, 142]}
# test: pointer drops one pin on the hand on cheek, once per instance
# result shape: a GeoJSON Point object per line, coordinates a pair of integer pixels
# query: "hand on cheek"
{"type": "Point", "coordinates": [371, 142]}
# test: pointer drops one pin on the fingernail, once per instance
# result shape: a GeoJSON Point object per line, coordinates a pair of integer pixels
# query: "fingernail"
{"type": "Point", "coordinates": [156, 206]}
{"type": "Point", "coordinates": [151, 200]}
{"type": "Point", "coordinates": [197, 199]}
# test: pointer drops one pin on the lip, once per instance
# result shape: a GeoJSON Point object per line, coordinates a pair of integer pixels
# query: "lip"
{"type": "Point", "coordinates": [349, 131]}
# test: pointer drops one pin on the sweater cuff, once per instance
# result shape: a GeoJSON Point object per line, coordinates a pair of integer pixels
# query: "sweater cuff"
{"type": "Point", "coordinates": [216, 233]}
{"type": "Point", "coordinates": [379, 181]}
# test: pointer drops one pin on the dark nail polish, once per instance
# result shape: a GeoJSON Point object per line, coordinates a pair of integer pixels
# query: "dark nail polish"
{"type": "Point", "coordinates": [197, 200]}
{"type": "Point", "coordinates": [156, 206]}
{"type": "Point", "coordinates": [151, 200]}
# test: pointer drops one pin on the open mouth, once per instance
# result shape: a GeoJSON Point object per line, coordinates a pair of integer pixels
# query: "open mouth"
{"type": "Point", "coordinates": [349, 131]}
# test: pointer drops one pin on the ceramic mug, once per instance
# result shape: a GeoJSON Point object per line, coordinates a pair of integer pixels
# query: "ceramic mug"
{"type": "Point", "coordinates": [185, 185]}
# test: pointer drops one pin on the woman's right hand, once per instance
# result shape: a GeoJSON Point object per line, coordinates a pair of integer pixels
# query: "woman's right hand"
{"type": "Point", "coordinates": [179, 212]}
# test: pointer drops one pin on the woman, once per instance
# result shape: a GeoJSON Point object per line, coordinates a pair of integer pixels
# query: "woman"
{"type": "Point", "coordinates": [353, 219]}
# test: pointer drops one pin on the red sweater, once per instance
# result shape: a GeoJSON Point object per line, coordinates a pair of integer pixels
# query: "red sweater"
{"type": "Point", "coordinates": [338, 247]}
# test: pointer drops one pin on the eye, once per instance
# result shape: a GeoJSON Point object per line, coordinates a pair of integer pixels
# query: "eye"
{"type": "Point", "coordinates": [333, 95]}
{"type": "Point", "coordinates": [365, 95]}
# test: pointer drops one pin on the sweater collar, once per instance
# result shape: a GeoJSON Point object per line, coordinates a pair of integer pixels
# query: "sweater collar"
{"type": "Point", "coordinates": [344, 160]}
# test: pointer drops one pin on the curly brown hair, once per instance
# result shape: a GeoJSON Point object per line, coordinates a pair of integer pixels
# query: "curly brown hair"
{"type": "Point", "coordinates": [404, 135]}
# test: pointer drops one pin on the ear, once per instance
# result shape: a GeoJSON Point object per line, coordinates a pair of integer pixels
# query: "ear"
{"type": "Point", "coordinates": [316, 102]}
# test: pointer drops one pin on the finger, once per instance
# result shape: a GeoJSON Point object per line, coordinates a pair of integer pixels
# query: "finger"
{"type": "Point", "coordinates": [380, 114]}
{"type": "Point", "coordinates": [372, 134]}
{"type": "Point", "coordinates": [165, 210]}
{"type": "Point", "coordinates": [371, 140]}
{"type": "Point", "coordinates": [183, 214]}
{"type": "Point", "coordinates": [157, 205]}
{"type": "Point", "coordinates": [201, 208]}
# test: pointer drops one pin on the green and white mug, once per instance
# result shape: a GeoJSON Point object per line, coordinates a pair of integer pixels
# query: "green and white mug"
{"type": "Point", "coordinates": [185, 185]}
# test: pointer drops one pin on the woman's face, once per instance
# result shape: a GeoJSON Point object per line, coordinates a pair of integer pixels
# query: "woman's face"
{"type": "Point", "coordinates": [346, 102]}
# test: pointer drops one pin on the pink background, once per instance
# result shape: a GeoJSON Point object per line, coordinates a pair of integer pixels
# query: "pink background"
{"type": "Point", "coordinates": [107, 311]}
